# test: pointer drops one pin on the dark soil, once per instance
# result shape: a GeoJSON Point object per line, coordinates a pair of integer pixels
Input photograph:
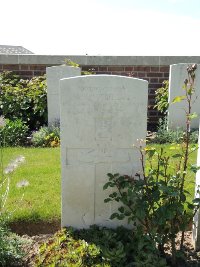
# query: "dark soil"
{"type": "Point", "coordinates": [35, 228]}
{"type": "Point", "coordinates": [192, 257]}
{"type": "Point", "coordinates": [33, 234]}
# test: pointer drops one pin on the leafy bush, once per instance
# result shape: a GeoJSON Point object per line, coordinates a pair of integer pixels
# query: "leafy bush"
{"type": "Point", "coordinates": [8, 78]}
{"type": "Point", "coordinates": [194, 136]}
{"type": "Point", "coordinates": [11, 252]}
{"type": "Point", "coordinates": [46, 137]}
{"type": "Point", "coordinates": [164, 135]}
{"type": "Point", "coordinates": [154, 200]}
{"type": "Point", "coordinates": [14, 133]}
{"type": "Point", "coordinates": [162, 97]}
{"type": "Point", "coordinates": [24, 99]}
{"type": "Point", "coordinates": [98, 247]}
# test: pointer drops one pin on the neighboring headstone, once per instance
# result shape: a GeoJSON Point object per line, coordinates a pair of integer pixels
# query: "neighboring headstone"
{"type": "Point", "coordinates": [176, 112]}
{"type": "Point", "coordinates": [54, 74]}
{"type": "Point", "coordinates": [196, 225]}
{"type": "Point", "coordinates": [102, 116]}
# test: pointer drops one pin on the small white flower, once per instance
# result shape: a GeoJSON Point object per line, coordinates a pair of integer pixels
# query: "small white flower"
{"type": "Point", "coordinates": [9, 169]}
{"type": "Point", "coordinates": [14, 164]}
{"type": "Point", "coordinates": [23, 183]}
{"type": "Point", "coordinates": [20, 159]}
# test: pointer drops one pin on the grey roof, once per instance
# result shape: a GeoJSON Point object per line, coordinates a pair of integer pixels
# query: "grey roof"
{"type": "Point", "coordinates": [12, 49]}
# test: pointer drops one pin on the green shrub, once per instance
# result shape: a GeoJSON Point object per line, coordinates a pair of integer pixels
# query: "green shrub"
{"type": "Point", "coordinates": [24, 99]}
{"type": "Point", "coordinates": [98, 247]}
{"type": "Point", "coordinates": [11, 252]}
{"type": "Point", "coordinates": [164, 135]}
{"type": "Point", "coordinates": [14, 133]}
{"type": "Point", "coordinates": [8, 78]}
{"type": "Point", "coordinates": [162, 97]}
{"type": "Point", "coordinates": [46, 137]}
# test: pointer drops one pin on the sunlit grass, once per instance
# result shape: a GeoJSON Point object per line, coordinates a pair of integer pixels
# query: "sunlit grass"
{"type": "Point", "coordinates": [41, 198]}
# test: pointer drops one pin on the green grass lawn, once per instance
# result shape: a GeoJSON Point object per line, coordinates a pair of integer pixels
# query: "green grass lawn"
{"type": "Point", "coordinates": [41, 200]}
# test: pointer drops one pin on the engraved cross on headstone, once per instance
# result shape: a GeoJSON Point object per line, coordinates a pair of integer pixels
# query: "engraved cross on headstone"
{"type": "Point", "coordinates": [78, 156]}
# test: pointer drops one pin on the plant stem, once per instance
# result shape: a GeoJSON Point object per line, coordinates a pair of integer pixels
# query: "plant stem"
{"type": "Point", "coordinates": [182, 240]}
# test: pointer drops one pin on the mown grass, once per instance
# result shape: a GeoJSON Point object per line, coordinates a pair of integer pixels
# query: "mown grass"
{"type": "Point", "coordinates": [42, 197]}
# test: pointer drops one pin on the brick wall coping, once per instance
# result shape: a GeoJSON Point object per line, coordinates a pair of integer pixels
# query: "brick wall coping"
{"type": "Point", "coordinates": [98, 60]}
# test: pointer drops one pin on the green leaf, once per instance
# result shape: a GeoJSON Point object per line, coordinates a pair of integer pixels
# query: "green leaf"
{"type": "Point", "coordinates": [114, 215]}
{"type": "Point", "coordinates": [194, 168]}
{"type": "Point", "coordinates": [113, 195]}
{"type": "Point", "coordinates": [190, 206]}
{"type": "Point", "coordinates": [192, 115]}
{"type": "Point", "coordinates": [150, 151]}
{"type": "Point", "coordinates": [196, 200]}
{"type": "Point", "coordinates": [190, 91]}
{"type": "Point", "coordinates": [121, 217]}
{"type": "Point", "coordinates": [121, 209]}
{"type": "Point", "coordinates": [178, 99]}
{"type": "Point", "coordinates": [140, 213]}
{"type": "Point", "coordinates": [182, 197]}
{"type": "Point", "coordinates": [110, 175]}
{"type": "Point", "coordinates": [127, 213]}
{"type": "Point", "coordinates": [176, 156]}
{"type": "Point", "coordinates": [107, 200]}
{"type": "Point", "coordinates": [107, 185]}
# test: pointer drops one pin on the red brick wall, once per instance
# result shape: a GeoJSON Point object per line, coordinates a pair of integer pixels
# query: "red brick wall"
{"type": "Point", "coordinates": [155, 75]}
{"type": "Point", "coordinates": [25, 71]}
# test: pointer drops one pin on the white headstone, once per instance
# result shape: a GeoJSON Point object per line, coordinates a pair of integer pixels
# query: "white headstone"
{"type": "Point", "coordinates": [196, 225]}
{"type": "Point", "coordinates": [176, 114]}
{"type": "Point", "coordinates": [102, 116]}
{"type": "Point", "coordinates": [54, 74]}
